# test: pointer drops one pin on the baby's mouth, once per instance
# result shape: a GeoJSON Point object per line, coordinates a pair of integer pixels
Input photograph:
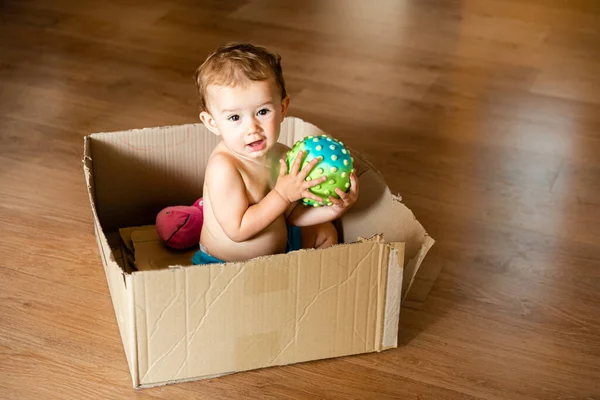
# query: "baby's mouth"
{"type": "Point", "coordinates": [257, 145]}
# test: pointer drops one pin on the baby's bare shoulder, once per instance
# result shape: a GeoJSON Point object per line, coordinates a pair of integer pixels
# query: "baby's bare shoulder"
{"type": "Point", "coordinates": [221, 163]}
{"type": "Point", "coordinates": [220, 155]}
{"type": "Point", "coordinates": [279, 151]}
{"type": "Point", "coordinates": [280, 147]}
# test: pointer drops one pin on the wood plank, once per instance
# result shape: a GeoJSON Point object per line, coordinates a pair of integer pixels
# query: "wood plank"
{"type": "Point", "coordinates": [483, 115]}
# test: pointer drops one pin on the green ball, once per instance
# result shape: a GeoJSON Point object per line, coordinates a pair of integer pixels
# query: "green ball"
{"type": "Point", "coordinates": [336, 164]}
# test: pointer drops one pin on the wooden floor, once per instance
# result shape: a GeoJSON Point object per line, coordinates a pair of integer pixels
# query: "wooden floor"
{"type": "Point", "coordinates": [483, 114]}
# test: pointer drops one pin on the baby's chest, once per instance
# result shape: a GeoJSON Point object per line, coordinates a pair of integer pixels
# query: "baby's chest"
{"type": "Point", "coordinates": [258, 186]}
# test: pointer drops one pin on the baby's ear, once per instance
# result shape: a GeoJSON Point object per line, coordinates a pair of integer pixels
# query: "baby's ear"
{"type": "Point", "coordinates": [209, 122]}
{"type": "Point", "coordinates": [285, 104]}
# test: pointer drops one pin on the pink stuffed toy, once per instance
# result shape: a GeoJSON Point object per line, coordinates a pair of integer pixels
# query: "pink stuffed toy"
{"type": "Point", "coordinates": [179, 227]}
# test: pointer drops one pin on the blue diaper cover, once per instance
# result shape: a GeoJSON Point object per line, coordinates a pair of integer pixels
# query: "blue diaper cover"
{"type": "Point", "coordinates": [294, 242]}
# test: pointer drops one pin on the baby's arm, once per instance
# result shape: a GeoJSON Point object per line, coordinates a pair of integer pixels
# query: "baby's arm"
{"type": "Point", "coordinates": [230, 205]}
{"type": "Point", "coordinates": [308, 216]}
{"type": "Point", "coordinates": [239, 220]}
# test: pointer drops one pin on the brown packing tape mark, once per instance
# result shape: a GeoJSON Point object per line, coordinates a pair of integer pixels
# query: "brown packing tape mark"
{"type": "Point", "coordinates": [259, 349]}
{"type": "Point", "coordinates": [273, 278]}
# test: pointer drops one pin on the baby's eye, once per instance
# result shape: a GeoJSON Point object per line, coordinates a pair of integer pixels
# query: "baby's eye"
{"type": "Point", "coordinates": [234, 118]}
{"type": "Point", "coordinates": [264, 111]}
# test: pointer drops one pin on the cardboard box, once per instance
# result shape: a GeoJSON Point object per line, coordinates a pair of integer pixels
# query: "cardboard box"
{"type": "Point", "coordinates": [146, 252]}
{"type": "Point", "coordinates": [185, 322]}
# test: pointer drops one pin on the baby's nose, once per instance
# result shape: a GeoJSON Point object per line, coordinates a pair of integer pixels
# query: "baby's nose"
{"type": "Point", "coordinates": [253, 125]}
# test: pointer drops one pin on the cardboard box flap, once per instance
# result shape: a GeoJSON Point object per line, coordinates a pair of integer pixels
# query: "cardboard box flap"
{"type": "Point", "coordinates": [377, 211]}
{"type": "Point", "coordinates": [88, 168]}
{"type": "Point", "coordinates": [151, 253]}
{"type": "Point", "coordinates": [121, 295]}
{"type": "Point", "coordinates": [141, 171]}
{"type": "Point", "coordinates": [206, 320]}
{"type": "Point", "coordinates": [393, 300]}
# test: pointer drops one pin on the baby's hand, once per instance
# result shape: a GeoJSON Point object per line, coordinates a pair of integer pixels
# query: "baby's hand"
{"type": "Point", "coordinates": [346, 200]}
{"type": "Point", "coordinates": [294, 186]}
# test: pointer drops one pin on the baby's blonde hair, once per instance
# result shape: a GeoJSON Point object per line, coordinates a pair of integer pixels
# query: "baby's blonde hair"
{"type": "Point", "coordinates": [233, 63]}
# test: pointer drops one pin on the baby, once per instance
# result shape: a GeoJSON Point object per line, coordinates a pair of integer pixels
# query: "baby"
{"type": "Point", "coordinates": [251, 202]}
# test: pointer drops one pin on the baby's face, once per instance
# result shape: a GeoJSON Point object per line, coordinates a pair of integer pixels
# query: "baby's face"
{"type": "Point", "coordinates": [248, 117]}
